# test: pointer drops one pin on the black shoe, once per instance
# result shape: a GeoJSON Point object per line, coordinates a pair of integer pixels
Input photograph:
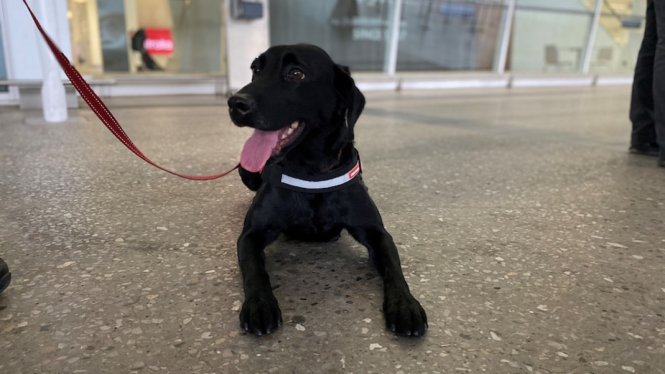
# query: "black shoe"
{"type": "Point", "coordinates": [646, 149]}
{"type": "Point", "coordinates": [5, 275]}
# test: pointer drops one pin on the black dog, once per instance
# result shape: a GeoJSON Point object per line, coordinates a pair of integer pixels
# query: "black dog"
{"type": "Point", "coordinates": [302, 161]}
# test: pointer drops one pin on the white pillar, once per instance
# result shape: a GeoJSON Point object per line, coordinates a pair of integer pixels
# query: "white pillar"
{"type": "Point", "coordinates": [591, 40]}
{"type": "Point", "coordinates": [390, 59]}
{"type": "Point", "coordinates": [245, 41]}
{"type": "Point", "coordinates": [22, 38]}
{"type": "Point", "coordinates": [23, 43]}
{"type": "Point", "coordinates": [54, 103]}
{"type": "Point", "coordinates": [504, 37]}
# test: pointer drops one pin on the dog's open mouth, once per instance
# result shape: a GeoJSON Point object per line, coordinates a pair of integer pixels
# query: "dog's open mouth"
{"type": "Point", "coordinates": [263, 144]}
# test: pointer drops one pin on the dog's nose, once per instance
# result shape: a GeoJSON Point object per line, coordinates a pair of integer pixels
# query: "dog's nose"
{"type": "Point", "coordinates": [241, 104]}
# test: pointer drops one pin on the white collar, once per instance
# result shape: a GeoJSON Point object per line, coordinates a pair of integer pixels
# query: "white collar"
{"type": "Point", "coordinates": [322, 185]}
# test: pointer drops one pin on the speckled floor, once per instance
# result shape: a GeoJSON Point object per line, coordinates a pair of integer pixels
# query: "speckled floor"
{"type": "Point", "coordinates": [534, 241]}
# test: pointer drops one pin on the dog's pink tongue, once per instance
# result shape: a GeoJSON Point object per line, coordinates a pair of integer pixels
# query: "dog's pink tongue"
{"type": "Point", "coordinates": [257, 150]}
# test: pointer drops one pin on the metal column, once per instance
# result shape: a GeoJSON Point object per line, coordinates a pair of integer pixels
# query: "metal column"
{"type": "Point", "coordinates": [504, 38]}
{"type": "Point", "coordinates": [390, 59]}
{"type": "Point", "coordinates": [588, 51]}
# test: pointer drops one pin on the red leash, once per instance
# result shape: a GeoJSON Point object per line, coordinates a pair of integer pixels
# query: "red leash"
{"type": "Point", "coordinates": [97, 106]}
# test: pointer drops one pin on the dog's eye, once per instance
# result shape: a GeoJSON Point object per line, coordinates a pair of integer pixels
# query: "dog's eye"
{"type": "Point", "coordinates": [296, 74]}
{"type": "Point", "coordinates": [255, 72]}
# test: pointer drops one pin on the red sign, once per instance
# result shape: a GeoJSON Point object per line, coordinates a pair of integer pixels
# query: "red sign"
{"type": "Point", "coordinates": [158, 41]}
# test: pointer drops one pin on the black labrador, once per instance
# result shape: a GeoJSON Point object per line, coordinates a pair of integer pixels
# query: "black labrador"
{"type": "Point", "coordinates": [302, 161]}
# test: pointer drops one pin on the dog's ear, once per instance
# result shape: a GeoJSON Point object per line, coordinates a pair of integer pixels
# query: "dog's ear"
{"type": "Point", "coordinates": [352, 99]}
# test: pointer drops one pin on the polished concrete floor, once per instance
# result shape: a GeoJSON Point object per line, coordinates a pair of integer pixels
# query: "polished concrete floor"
{"type": "Point", "coordinates": [535, 242]}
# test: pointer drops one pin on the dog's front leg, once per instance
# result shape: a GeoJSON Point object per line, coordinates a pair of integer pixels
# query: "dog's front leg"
{"type": "Point", "coordinates": [260, 312]}
{"type": "Point", "coordinates": [402, 311]}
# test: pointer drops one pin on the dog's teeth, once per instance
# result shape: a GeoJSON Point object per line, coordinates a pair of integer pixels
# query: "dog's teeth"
{"type": "Point", "coordinates": [290, 131]}
{"type": "Point", "coordinates": [294, 125]}
{"type": "Point", "coordinates": [283, 136]}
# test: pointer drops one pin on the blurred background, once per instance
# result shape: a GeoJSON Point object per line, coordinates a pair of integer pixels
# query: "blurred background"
{"type": "Point", "coordinates": [193, 42]}
{"type": "Point", "coordinates": [494, 141]}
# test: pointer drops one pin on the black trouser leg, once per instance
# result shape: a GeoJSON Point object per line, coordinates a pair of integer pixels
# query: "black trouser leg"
{"type": "Point", "coordinates": [642, 103]}
{"type": "Point", "coordinates": [659, 76]}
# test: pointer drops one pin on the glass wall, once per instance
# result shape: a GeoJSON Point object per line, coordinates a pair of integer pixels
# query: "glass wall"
{"type": "Point", "coordinates": [619, 36]}
{"type": "Point", "coordinates": [197, 33]}
{"type": "Point", "coordinates": [147, 36]}
{"type": "Point", "coordinates": [433, 35]}
{"type": "Point", "coordinates": [186, 36]}
{"type": "Point", "coordinates": [549, 35]}
{"type": "Point", "coordinates": [465, 35]}
{"type": "Point", "coordinates": [3, 68]}
{"type": "Point", "coordinates": [113, 33]}
{"type": "Point", "coordinates": [353, 32]}
{"type": "Point", "coordinates": [449, 35]}
{"type": "Point", "coordinates": [85, 35]}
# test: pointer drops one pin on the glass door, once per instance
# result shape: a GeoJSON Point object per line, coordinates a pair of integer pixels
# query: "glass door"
{"type": "Point", "coordinates": [6, 93]}
{"type": "Point", "coordinates": [549, 35]}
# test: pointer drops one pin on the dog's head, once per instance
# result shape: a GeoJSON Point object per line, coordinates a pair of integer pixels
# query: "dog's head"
{"type": "Point", "coordinates": [297, 95]}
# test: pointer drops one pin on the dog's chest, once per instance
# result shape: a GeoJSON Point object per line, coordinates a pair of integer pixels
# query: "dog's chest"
{"type": "Point", "coordinates": [315, 219]}
{"type": "Point", "coordinates": [319, 210]}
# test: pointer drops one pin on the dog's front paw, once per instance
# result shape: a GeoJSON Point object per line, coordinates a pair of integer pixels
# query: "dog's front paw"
{"type": "Point", "coordinates": [404, 315]}
{"type": "Point", "coordinates": [260, 314]}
